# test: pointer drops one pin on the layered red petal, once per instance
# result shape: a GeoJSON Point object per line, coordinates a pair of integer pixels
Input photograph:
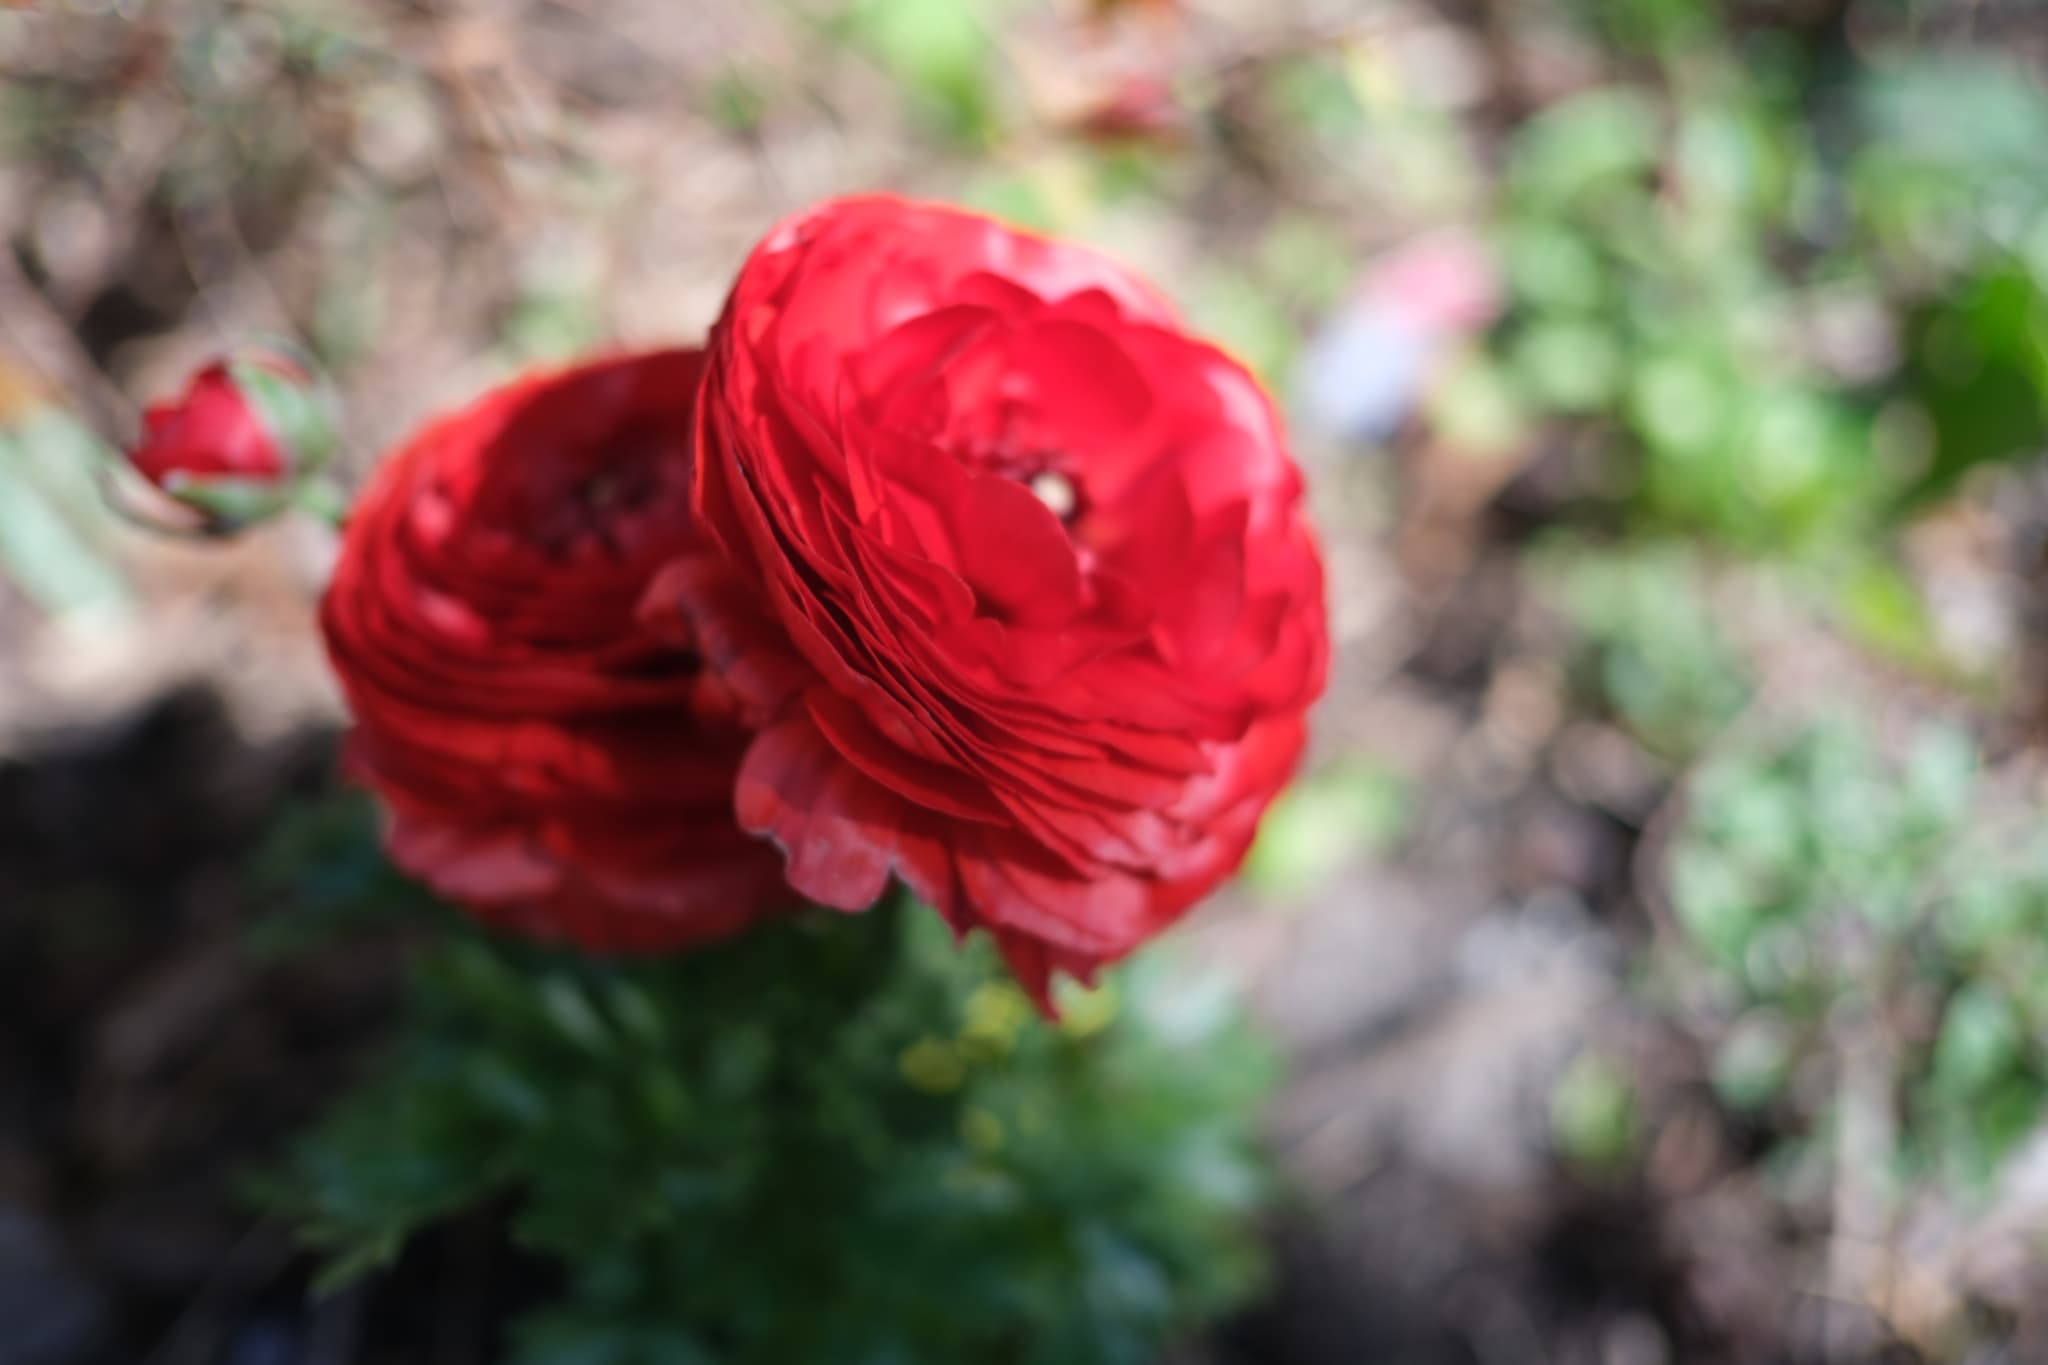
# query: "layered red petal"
{"type": "Point", "coordinates": [1013, 570]}
{"type": "Point", "coordinates": [552, 753]}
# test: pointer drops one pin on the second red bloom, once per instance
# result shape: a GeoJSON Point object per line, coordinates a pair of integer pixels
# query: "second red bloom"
{"type": "Point", "coordinates": [546, 759]}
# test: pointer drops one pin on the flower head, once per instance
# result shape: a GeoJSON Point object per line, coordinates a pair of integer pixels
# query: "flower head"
{"type": "Point", "coordinates": [1012, 574]}
{"type": "Point", "coordinates": [239, 441]}
{"type": "Point", "coordinates": [547, 758]}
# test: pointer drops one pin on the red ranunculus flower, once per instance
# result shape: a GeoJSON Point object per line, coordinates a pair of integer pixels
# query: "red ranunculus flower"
{"type": "Point", "coordinates": [1025, 601]}
{"type": "Point", "coordinates": [235, 443]}
{"type": "Point", "coordinates": [212, 429]}
{"type": "Point", "coordinates": [547, 759]}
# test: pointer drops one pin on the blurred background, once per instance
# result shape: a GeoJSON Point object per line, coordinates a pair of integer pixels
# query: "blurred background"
{"type": "Point", "coordinates": [1659, 933]}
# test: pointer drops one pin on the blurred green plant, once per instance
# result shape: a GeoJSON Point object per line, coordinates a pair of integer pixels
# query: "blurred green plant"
{"type": "Point", "coordinates": [321, 865]}
{"type": "Point", "coordinates": [1594, 1121]}
{"type": "Point", "coordinates": [56, 532]}
{"type": "Point", "coordinates": [1639, 248]}
{"type": "Point", "coordinates": [1648, 646]}
{"type": "Point", "coordinates": [1821, 881]}
{"type": "Point", "coordinates": [838, 1139]}
{"type": "Point", "coordinates": [1951, 163]}
{"type": "Point", "coordinates": [1327, 819]}
{"type": "Point", "coordinates": [1975, 374]}
{"type": "Point", "coordinates": [941, 51]}
{"type": "Point", "coordinates": [1791, 317]}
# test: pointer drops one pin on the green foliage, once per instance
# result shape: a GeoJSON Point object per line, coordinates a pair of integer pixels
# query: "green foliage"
{"type": "Point", "coordinates": [1649, 645]}
{"type": "Point", "coordinates": [1977, 369]}
{"type": "Point", "coordinates": [1593, 1117]}
{"type": "Point", "coordinates": [1953, 160]}
{"type": "Point", "coordinates": [1641, 246]}
{"type": "Point", "coordinates": [1662, 27]}
{"type": "Point", "coordinates": [838, 1139]}
{"type": "Point", "coordinates": [55, 544]}
{"type": "Point", "coordinates": [1316, 96]}
{"type": "Point", "coordinates": [321, 860]}
{"type": "Point", "coordinates": [1821, 878]}
{"type": "Point", "coordinates": [941, 51]}
{"type": "Point", "coordinates": [1674, 254]}
{"type": "Point", "coordinates": [1325, 820]}
{"type": "Point", "coordinates": [1882, 609]}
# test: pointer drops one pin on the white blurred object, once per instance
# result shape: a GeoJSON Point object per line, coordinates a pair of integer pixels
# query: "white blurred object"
{"type": "Point", "coordinates": [1374, 358]}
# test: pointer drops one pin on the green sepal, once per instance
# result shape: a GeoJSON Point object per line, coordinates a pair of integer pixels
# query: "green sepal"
{"type": "Point", "coordinates": [231, 502]}
{"type": "Point", "coordinates": [299, 415]}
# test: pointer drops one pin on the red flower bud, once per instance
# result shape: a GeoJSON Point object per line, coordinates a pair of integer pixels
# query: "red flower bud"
{"type": "Point", "coordinates": [239, 441]}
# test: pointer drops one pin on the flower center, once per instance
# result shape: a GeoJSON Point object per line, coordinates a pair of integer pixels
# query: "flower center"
{"type": "Point", "coordinates": [1057, 492]}
{"type": "Point", "coordinates": [1008, 440]}
{"type": "Point", "coordinates": [593, 496]}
